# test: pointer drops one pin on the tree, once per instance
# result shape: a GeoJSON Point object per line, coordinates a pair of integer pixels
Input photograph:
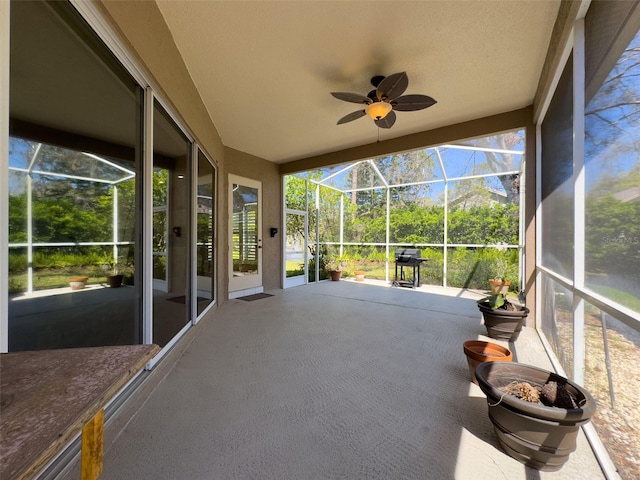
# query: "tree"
{"type": "Point", "coordinates": [500, 162]}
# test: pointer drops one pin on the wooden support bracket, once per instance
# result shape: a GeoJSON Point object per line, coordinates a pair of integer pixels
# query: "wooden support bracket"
{"type": "Point", "coordinates": [92, 447]}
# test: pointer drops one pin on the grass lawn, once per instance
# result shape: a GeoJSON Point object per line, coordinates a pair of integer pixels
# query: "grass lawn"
{"type": "Point", "coordinates": [623, 298]}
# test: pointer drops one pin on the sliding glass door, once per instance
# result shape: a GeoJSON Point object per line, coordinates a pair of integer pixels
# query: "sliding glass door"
{"type": "Point", "coordinates": [171, 227]}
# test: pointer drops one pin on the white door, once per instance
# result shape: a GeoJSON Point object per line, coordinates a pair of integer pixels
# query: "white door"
{"type": "Point", "coordinates": [245, 236]}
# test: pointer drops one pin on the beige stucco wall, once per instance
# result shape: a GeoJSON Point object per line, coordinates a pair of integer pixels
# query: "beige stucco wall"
{"type": "Point", "coordinates": [248, 166]}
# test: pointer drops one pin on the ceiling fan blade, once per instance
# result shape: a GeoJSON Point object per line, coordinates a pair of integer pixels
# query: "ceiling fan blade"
{"type": "Point", "coordinates": [352, 116]}
{"type": "Point", "coordinates": [351, 97]}
{"type": "Point", "coordinates": [388, 121]}
{"type": "Point", "coordinates": [393, 86]}
{"type": "Point", "coordinates": [409, 103]}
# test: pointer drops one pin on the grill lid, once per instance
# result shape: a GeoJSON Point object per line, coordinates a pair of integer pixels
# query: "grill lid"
{"type": "Point", "coordinates": [407, 254]}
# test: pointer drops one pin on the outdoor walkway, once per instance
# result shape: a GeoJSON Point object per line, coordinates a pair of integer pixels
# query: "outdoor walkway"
{"type": "Point", "coordinates": [340, 380]}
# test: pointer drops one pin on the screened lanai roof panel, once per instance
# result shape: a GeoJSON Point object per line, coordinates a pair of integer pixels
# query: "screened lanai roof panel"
{"type": "Point", "coordinates": [496, 154]}
{"type": "Point", "coordinates": [493, 155]}
{"type": "Point", "coordinates": [461, 162]}
{"type": "Point", "coordinates": [355, 176]}
{"type": "Point", "coordinates": [420, 195]}
{"type": "Point", "coordinates": [80, 164]}
{"type": "Point", "coordinates": [43, 158]}
{"type": "Point", "coordinates": [360, 175]}
{"type": "Point", "coordinates": [410, 167]}
{"type": "Point", "coordinates": [338, 180]}
{"type": "Point", "coordinates": [314, 174]}
{"type": "Point", "coordinates": [19, 153]}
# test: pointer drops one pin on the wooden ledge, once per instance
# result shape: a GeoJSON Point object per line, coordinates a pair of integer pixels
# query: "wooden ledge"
{"type": "Point", "coordinates": [48, 396]}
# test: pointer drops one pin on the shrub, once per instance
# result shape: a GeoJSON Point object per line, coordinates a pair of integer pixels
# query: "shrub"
{"type": "Point", "coordinates": [17, 262]}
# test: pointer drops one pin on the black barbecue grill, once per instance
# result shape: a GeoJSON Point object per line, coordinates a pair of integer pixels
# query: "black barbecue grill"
{"type": "Point", "coordinates": [408, 257]}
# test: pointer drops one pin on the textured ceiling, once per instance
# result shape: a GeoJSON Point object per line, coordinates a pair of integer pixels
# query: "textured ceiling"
{"type": "Point", "coordinates": [265, 69]}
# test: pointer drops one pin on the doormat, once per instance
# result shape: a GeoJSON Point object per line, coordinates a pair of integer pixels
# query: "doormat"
{"type": "Point", "coordinates": [256, 296]}
{"type": "Point", "coordinates": [182, 299]}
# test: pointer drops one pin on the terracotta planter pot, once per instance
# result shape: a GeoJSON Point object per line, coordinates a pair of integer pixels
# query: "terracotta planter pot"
{"type": "Point", "coordinates": [478, 351]}
{"type": "Point", "coordinates": [503, 324]}
{"type": "Point", "coordinates": [335, 275]}
{"type": "Point", "coordinates": [359, 275]}
{"type": "Point", "coordinates": [499, 286]}
{"type": "Point", "coordinates": [77, 283]}
{"type": "Point", "coordinates": [539, 436]}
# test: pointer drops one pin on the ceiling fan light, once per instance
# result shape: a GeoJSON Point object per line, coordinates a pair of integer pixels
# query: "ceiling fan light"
{"type": "Point", "coordinates": [378, 110]}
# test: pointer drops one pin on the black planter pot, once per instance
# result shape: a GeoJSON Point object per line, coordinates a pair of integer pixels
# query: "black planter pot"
{"type": "Point", "coordinates": [539, 436]}
{"type": "Point", "coordinates": [114, 281]}
{"type": "Point", "coordinates": [503, 324]}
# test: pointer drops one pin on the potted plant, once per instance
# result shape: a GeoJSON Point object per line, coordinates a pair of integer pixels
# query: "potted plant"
{"type": "Point", "coordinates": [115, 279]}
{"type": "Point", "coordinates": [335, 267]}
{"type": "Point", "coordinates": [536, 413]}
{"type": "Point", "coordinates": [118, 271]}
{"type": "Point", "coordinates": [503, 319]}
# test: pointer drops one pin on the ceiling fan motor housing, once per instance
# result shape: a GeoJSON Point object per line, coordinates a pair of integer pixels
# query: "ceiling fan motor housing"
{"type": "Point", "coordinates": [381, 102]}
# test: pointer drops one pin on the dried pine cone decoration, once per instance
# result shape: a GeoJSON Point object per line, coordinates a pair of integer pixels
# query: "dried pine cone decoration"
{"type": "Point", "coordinates": [555, 395]}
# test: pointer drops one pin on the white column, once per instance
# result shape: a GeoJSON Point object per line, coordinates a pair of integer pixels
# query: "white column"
{"type": "Point", "coordinates": [317, 210]}
{"type": "Point", "coordinates": [32, 161]}
{"type": "Point", "coordinates": [146, 272]}
{"type": "Point", "coordinates": [388, 236]}
{"type": "Point", "coordinates": [114, 225]}
{"type": "Point", "coordinates": [341, 222]}
{"type": "Point", "coordinates": [578, 201]}
{"type": "Point", "coordinates": [445, 234]}
{"type": "Point", "coordinates": [192, 234]}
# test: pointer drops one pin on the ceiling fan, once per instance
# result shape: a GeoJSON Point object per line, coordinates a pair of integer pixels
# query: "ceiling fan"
{"type": "Point", "coordinates": [386, 98]}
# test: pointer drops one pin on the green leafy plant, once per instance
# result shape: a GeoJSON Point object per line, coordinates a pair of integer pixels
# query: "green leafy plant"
{"type": "Point", "coordinates": [498, 301]}
{"type": "Point", "coordinates": [494, 301]}
{"type": "Point", "coordinates": [335, 264]}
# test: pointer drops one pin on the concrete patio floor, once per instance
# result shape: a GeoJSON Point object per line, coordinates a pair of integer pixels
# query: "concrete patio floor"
{"type": "Point", "coordinates": [337, 380]}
